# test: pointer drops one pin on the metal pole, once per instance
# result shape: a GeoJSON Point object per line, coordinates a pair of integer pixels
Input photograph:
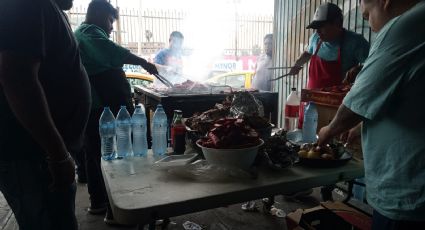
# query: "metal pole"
{"type": "Point", "coordinates": [236, 32]}
{"type": "Point", "coordinates": [118, 27]}
{"type": "Point", "coordinates": [139, 40]}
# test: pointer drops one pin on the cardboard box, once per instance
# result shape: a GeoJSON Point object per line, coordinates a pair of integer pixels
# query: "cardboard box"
{"type": "Point", "coordinates": [330, 99]}
{"type": "Point", "coordinates": [327, 104]}
{"type": "Point", "coordinates": [328, 215]}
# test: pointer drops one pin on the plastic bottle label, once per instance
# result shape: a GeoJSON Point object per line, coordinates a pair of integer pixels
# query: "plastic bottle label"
{"type": "Point", "coordinates": [292, 110]}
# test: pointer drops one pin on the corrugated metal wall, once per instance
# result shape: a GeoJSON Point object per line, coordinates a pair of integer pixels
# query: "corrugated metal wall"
{"type": "Point", "coordinates": [291, 38]}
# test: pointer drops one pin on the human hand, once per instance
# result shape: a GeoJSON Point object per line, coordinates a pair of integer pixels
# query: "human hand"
{"type": "Point", "coordinates": [295, 70]}
{"type": "Point", "coordinates": [324, 136]}
{"type": "Point", "coordinates": [62, 172]}
{"type": "Point", "coordinates": [151, 68]}
{"type": "Point", "coordinates": [349, 136]}
{"type": "Point", "coordinates": [351, 74]}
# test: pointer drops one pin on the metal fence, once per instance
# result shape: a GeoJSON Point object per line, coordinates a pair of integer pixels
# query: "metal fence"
{"type": "Point", "coordinates": [145, 32]}
{"type": "Point", "coordinates": [291, 37]}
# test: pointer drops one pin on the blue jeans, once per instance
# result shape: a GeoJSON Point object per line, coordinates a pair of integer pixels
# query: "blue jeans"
{"type": "Point", "coordinates": [24, 184]}
{"type": "Point", "coordinates": [380, 222]}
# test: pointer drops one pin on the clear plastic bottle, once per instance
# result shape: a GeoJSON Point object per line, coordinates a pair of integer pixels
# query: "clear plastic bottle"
{"type": "Point", "coordinates": [107, 134]}
{"type": "Point", "coordinates": [292, 108]}
{"type": "Point", "coordinates": [140, 144]}
{"type": "Point", "coordinates": [159, 131]}
{"type": "Point", "coordinates": [310, 123]}
{"type": "Point", "coordinates": [123, 130]}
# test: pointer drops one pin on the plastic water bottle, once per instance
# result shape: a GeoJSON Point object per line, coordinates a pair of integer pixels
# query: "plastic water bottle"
{"type": "Point", "coordinates": [140, 143]}
{"type": "Point", "coordinates": [159, 131]}
{"type": "Point", "coordinates": [310, 123]}
{"type": "Point", "coordinates": [292, 108]}
{"type": "Point", "coordinates": [123, 131]}
{"type": "Point", "coordinates": [107, 134]}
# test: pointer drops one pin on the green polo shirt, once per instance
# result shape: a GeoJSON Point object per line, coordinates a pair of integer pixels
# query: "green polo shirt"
{"type": "Point", "coordinates": [98, 53]}
{"type": "Point", "coordinates": [389, 93]}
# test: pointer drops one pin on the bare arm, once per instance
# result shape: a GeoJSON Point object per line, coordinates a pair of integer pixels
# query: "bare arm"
{"type": "Point", "coordinates": [299, 63]}
{"type": "Point", "coordinates": [344, 120]}
{"type": "Point", "coordinates": [20, 74]}
{"type": "Point", "coordinates": [136, 60]}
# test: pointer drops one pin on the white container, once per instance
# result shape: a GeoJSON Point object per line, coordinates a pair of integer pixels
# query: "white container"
{"type": "Point", "coordinates": [292, 107]}
{"type": "Point", "coordinates": [236, 158]}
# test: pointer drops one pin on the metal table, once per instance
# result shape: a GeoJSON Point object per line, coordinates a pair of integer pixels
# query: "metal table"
{"type": "Point", "coordinates": [140, 194]}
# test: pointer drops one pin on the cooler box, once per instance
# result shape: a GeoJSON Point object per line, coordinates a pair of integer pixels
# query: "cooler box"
{"type": "Point", "coordinates": [327, 103]}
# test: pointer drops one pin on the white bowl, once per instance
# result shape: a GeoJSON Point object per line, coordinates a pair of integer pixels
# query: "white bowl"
{"type": "Point", "coordinates": [238, 158]}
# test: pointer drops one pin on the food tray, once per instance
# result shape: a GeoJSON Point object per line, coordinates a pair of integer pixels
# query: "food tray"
{"type": "Point", "coordinates": [326, 163]}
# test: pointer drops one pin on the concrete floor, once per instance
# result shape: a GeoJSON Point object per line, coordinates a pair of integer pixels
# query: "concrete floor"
{"type": "Point", "coordinates": [225, 218]}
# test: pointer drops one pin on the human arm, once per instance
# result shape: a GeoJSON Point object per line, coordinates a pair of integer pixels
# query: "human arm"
{"type": "Point", "coordinates": [344, 120]}
{"type": "Point", "coordinates": [20, 53]}
{"type": "Point", "coordinates": [350, 136]}
{"type": "Point", "coordinates": [361, 53]}
{"type": "Point", "coordinates": [299, 63]}
{"type": "Point", "coordinates": [19, 73]}
{"type": "Point", "coordinates": [136, 60]}
{"type": "Point", "coordinates": [351, 74]}
{"type": "Point", "coordinates": [99, 50]}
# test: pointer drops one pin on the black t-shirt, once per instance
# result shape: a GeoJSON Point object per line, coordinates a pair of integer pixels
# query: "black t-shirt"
{"type": "Point", "coordinates": [38, 28]}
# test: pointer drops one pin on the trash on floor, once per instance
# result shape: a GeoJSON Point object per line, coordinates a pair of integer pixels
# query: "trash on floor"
{"type": "Point", "coordinates": [188, 225]}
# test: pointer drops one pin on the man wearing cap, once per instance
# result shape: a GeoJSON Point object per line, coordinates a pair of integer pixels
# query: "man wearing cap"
{"type": "Point", "coordinates": [334, 52]}
{"type": "Point", "coordinates": [335, 56]}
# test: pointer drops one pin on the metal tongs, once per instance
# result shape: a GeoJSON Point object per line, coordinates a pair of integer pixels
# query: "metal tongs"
{"type": "Point", "coordinates": [164, 80]}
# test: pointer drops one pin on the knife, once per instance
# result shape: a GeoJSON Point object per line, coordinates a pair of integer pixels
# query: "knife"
{"type": "Point", "coordinates": [275, 79]}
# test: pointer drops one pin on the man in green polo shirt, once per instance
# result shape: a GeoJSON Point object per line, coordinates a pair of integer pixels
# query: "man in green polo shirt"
{"type": "Point", "coordinates": [388, 97]}
{"type": "Point", "coordinates": [103, 60]}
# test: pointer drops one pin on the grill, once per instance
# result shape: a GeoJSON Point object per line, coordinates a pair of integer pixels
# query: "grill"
{"type": "Point", "coordinates": [191, 103]}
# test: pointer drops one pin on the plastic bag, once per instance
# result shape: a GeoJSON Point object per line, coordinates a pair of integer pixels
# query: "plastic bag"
{"type": "Point", "coordinates": [202, 171]}
{"type": "Point", "coordinates": [246, 104]}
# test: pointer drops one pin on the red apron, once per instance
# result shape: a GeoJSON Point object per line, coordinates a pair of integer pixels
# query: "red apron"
{"type": "Point", "coordinates": [322, 74]}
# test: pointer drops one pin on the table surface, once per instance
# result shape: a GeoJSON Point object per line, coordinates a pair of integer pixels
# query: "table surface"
{"type": "Point", "coordinates": [139, 193]}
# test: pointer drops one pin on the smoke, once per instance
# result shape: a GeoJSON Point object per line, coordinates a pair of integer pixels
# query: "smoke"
{"type": "Point", "coordinates": [207, 32]}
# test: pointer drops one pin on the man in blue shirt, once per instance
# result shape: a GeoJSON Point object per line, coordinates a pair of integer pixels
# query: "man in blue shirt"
{"type": "Point", "coordinates": [388, 97]}
{"type": "Point", "coordinates": [335, 55]}
{"type": "Point", "coordinates": [333, 52]}
{"type": "Point", "coordinates": [169, 60]}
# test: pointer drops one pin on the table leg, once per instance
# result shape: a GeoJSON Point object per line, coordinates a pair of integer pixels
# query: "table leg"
{"type": "Point", "coordinates": [152, 226]}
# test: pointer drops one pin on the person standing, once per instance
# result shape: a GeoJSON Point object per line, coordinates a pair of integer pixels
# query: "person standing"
{"type": "Point", "coordinates": [169, 60]}
{"type": "Point", "coordinates": [393, 135]}
{"type": "Point", "coordinates": [263, 74]}
{"type": "Point", "coordinates": [103, 60]}
{"type": "Point", "coordinates": [334, 52]}
{"type": "Point", "coordinates": [44, 106]}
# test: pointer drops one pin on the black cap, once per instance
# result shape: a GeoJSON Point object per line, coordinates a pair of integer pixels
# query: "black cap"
{"type": "Point", "coordinates": [327, 12]}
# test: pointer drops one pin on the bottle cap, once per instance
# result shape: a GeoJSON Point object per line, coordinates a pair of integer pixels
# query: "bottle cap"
{"type": "Point", "coordinates": [294, 89]}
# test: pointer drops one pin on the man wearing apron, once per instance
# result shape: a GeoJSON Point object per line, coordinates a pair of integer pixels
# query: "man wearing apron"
{"type": "Point", "coordinates": [335, 54]}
